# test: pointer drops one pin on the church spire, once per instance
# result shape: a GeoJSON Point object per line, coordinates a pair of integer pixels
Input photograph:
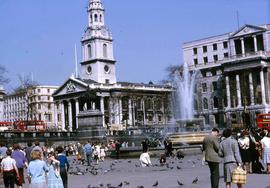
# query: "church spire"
{"type": "Point", "coordinates": [95, 13]}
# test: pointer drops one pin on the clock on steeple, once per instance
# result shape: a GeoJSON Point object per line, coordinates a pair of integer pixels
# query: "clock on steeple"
{"type": "Point", "coordinates": [98, 63]}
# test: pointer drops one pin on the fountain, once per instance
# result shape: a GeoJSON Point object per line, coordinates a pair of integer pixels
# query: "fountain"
{"type": "Point", "coordinates": [184, 82]}
{"type": "Point", "coordinates": [185, 124]}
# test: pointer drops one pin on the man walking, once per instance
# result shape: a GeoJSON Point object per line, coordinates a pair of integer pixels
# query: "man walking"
{"type": "Point", "coordinates": [88, 151]}
{"type": "Point", "coordinates": [211, 148]}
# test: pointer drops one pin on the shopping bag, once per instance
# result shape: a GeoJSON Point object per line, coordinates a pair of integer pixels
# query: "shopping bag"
{"type": "Point", "coordinates": [239, 175]}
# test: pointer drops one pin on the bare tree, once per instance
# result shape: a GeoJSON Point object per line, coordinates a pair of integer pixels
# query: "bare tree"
{"type": "Point", "coordinates": [3, 79]}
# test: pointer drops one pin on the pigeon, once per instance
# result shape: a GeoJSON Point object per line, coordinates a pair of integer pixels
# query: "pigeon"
{"type": "Point", "coordinates": [101, 185]}
{"type": "Point", "coordinates": [180, 183]}
{"type": "Point", "coordinates": [129, 161]}
{"type": "Point", "coordinates": [140, 186]}
{"type": "Point", "coordinates": [195, 180]}
{"type": "Point", "coordinates": [126, 183]}
{"type": "Point", "coordinates": [178, 167]}
{"type": "Point", "coordinates": [136, 165]}
{"type": "Point", "coordinates": [120, 185]}
{"type": "Point", "coordinates": [155, 184]}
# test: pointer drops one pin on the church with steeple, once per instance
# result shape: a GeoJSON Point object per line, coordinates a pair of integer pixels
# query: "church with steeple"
{"type": "Point", "coordinates": [96, 98]}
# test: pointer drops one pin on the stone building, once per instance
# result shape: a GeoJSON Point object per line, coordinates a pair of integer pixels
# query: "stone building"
{"type": "Point", "coordinates": [2, 94]}
{"type": "Point", "coordinates": [97, 93]}
{"type": "Point", "coordinates": [34, 103]}
{"type": "Point", "coordinates": [41, 105]}
{"type": "Point", "coordinates": [233, 82]}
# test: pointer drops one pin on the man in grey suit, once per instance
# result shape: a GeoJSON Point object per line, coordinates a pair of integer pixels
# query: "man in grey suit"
{"type": "Point", "coordinates": [211, 148]}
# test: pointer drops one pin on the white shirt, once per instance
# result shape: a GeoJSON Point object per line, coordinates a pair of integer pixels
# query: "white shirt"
{"type": "Point", "coordinates": [8, 163]}
{"type": "Point", "coordinates": [265, 142]}
{"type": "Point", "coordinates": [145, 159]}
{"type": "Point", "coordinates": [244, 142]}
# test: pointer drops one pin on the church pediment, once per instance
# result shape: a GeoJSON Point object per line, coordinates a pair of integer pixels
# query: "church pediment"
{"type": "Point", "coordinates": [72, 85]}
{"type": "Point", "coordinates": [247, 30]}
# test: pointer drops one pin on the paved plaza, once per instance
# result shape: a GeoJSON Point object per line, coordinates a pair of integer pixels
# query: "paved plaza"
{"type": "Point", "coordinates": [131, 175]}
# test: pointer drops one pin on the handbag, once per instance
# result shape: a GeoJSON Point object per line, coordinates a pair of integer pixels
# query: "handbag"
{"type": "Point", "coordinates": [239, 175]}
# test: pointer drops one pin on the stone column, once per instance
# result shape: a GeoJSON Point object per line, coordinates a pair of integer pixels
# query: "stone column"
{"type": "Point", "coordinates": [255, 43]}
{"type": "Point", "coordinates": [243, 46]}
{"type": "Point", "coordinates": [55, 115]}
{"type": "Point", "coordinates": [130, 122]}
{"type": "Point", "coordinates": [69, 116]}
{"type": "Point", "coordinates": [120, 110]}
{"type": "Point", "coordinates": [63, 115]}
{"type": "Point", "coordinates": [111, 110]}
{"type": "Point", "coordinates": [251, 88]}
{"type": "Point", "coordinates": [77, 112]}
{"type": "Point", "coordinates": [102, 110]}
{"type": "Point", "coordinates": [238, 90]}
{"type": "Point", "coordinates": [262, 87]}
{"type": "Point", "coordinates": [228, 92]}
{"type": "Point", "coordinates": [143, 109]}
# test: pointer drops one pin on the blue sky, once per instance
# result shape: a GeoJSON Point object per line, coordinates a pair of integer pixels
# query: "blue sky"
{"type": "Point", "coordinates": [38, 36]}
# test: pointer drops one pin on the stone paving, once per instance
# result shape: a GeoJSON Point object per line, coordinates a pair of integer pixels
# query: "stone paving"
{"type": "Point", "coordinates": [128, 174]}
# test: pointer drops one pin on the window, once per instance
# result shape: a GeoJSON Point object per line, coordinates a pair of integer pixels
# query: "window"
{"type": "Point", "coordinates": [195, 61]}
{"type": "Point", "coordinates": [204, 87]}
{"type": "Point", "coordinates": [205, 59]}
{"type": "Point", "coordinates": [105, 50]}
{"type": "Point", "coordinates": [204, 49]}
{"type": "Point", "coordinates": [226, 55]}
{"type": "Point", "coordinates": [214, 84]}
{"type": "Point", "coordinates": [39, 98]}
{"type": "Point", "coordinates": [89, 69]}
{"type": "Point", "coordinates": [96, 17]}
{"type": "Point", "coordinates": [38, 90]}
{"type": "Point", "coordinates": [215, 46]}
{"type": "Point", "coordinates": [39, 106]}
{"type": "Point", "coordinates": [89, 49]}
{"type": "Point", "coordinates": [205, 103]}
{"type": "Point", "coordinates": [49, 106]}
{"type": "Point", "coordinates": [91, 18]}
{"type": "Point", "coordinates": [195, 51]}
{"type": "Point", "coordinates": [215, 102]}
{"type": "Point", "coordinates": [48, 98]}
{"type": "Point", "coordinates": [59, 117]}
{"type": "Point", "coordinates": [48, 90]}
{"type": "Point", "coordinates": [39, 116]}
{"type": "Point", "coordinates": [106, 68]}
{"type": "Point", "coordinates": [100, 17]}
{"type": "Point", "coordinates": [215, 57]}
{"type": "Point", "coordinates": [225, 45]}
{"type": "Point", "coordinates": [107, 81]}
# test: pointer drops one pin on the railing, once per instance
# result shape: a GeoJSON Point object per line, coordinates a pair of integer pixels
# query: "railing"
{"type": "Point", "coordinates": [237, 57]}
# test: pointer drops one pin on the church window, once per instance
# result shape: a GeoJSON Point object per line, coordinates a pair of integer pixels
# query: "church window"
{"type": "Point", "coordinates": [106, 68]}
{"type": "Point", "coordinates": [204, 87]}
{"type": "Point", "coordinates": [96, 17]}
{"type": "Point", "coordinates": [89, 49]}
{"type": "Point", "coordinates": [100, 17]}
{"type": "Point", "coordinates": [91, 19]}
{"type": "Point", "coordinates": [215, 99]}
{"type": "Point", "coordinates": [215, 46]}
{"type": "Point", "coordinates": [107, 81]}
{"type": "Point", "coordinates": [204, 49]}
{"type": "Point", "coordinates": [105, 54]}
{"type": "Point", "coordinates": [89, 69]}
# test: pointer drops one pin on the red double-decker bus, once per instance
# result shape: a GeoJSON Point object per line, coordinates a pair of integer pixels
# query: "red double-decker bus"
{"type": "Point", "coordinates": [263, 121]}
{"type": "Point", "coordinates": [30, 125]}
{"type": "Point", "coordinates": [4, 126]}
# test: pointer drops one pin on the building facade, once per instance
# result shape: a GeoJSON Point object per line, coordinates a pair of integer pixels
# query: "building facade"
{"type": "Point", "coordinates": [41, 105]}
{"type": "Point", "coordinates": [2, 94]}
{"type": "Point", "coordinates": [233, 82]}
{"type": "Point", "coordinates": [34, 103]}
{"type": "Point", "coordinates": [98, 91]}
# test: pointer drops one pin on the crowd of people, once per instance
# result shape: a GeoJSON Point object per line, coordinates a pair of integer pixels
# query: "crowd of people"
{"type": "Point", "coordinates": [246, 149]}
{"type": "Point", "coordinates": [46, 167]}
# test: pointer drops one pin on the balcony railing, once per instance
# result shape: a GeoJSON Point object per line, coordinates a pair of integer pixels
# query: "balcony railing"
{"type": "Point", "coordinates": [238, 57]}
